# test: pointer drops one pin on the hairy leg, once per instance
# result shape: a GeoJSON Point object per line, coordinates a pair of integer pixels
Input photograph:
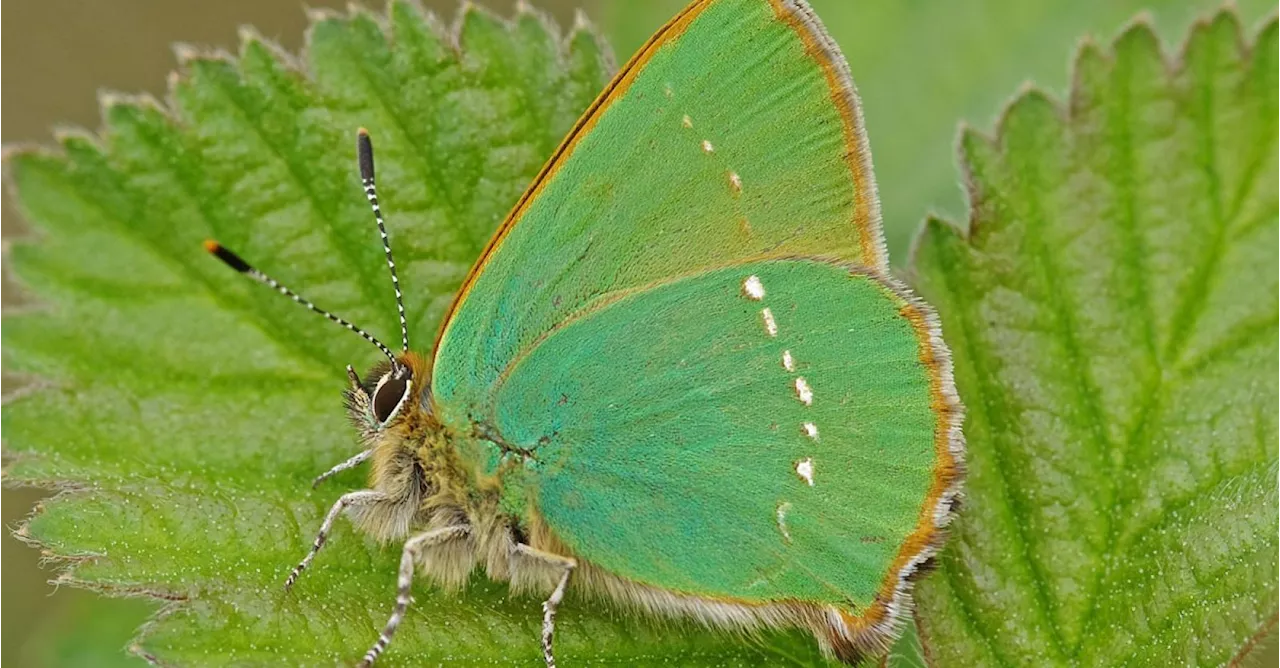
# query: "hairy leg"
{"type": "Point", "coordinates": [355, 461]}
{"type": "Point", "coordinates": [413, 549]}
{"type": "Point", "coordinates": [553, 601]}
{"type": "Point", "coordinates": [361, 498]}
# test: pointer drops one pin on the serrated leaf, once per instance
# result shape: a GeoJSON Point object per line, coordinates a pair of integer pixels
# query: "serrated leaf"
{"type": "Point", "coordinates": [1113, 316]}
{"type": "Point", "coordinates": [190, 408]}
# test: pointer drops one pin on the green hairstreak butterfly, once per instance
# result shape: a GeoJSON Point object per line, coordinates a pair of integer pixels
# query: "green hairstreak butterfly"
{"type": "Point", "coordinates": [680, 374]}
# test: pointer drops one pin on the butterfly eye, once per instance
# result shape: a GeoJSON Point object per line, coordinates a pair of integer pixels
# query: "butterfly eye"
{"type": "Point", "coordinates": [390, 396]}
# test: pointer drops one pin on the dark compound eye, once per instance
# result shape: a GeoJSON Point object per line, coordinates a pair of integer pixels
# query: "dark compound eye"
{"type": "Point", "coordinates": [388, 396]}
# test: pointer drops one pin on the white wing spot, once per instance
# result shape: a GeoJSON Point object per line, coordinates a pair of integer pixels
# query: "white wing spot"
{"type": "Point", "coordinates": [811, 430]}
{"type": "Point", "coordinates": [783, 509]}
{"type": "Point", "coordinates": [804, 392]}
{"type": "Point", "coordinates": [666, 90]}
{"type": "Point", "coordinates": [753, 287]}
{"type": "Point", "coordinates": [770, 325]}
{"type": "Point", "coordinates": [686, 121]}
{"type": "Point", "coordinates": [788, 362]}
{"type": "Point", "coordinates": [707, 147]}
{"type": "Point", "coordinates": [804, 469]}
{"type": "Point", "coordinates": [735, 182]}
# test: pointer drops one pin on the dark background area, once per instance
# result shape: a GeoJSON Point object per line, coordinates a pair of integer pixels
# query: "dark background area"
{"type": "Point", "coordinates": [57, 55]}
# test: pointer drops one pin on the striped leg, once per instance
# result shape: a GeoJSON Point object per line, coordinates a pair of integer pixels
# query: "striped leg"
{"type": "Point", "coordinates": [552, 602]}
{"type": "Point", "coordinates": [361, 498]}
{"type": "Point", "coordinates": [349, 464]}
{"type": "Point", "coordinates": [413, 549]}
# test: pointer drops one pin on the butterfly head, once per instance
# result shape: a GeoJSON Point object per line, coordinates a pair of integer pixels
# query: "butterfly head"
{"type": "Point", "coordinates": [392, 393]}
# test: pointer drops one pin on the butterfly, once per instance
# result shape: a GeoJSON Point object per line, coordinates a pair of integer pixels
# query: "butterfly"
{"type": "Point", "coordinates": [680, 374]}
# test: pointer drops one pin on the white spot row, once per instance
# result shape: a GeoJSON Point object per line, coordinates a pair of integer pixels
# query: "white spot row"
{"type": "Point", "coordinates": [803, 391]}
{"type": "Point", "coordinates": [770, 325]}
{"type": "Point", "coordinates": [804, 469]}
{"type": "Point", "coordinates": [753, 289]}
{"type": "Point", "coordinates": [735, 181]}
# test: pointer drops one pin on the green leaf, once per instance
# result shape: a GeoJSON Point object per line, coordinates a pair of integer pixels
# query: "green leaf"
{"type": "Point", "coordinates": [907, 652]}
{"type": "Point", "coordinates": [189, 409]}
{"type": "Point", "coordinates": [921, 67]}
{"type": "Point", "coordinates": [1112, 311]}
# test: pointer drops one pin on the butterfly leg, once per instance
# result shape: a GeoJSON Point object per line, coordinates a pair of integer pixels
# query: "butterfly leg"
{"type": "Point", "coordinates": [361, 498]}
{"type": "Point", "coordinates": [413, 549]}
{"type": "Point", "coordinates": [349, 464]}
{"type": "Point", "coordinates": [552, 602]}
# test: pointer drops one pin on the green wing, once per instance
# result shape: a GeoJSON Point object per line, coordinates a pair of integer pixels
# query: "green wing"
{"type": "Point", "coordinates": [607, 329]}
{"type": "Point", "coordinates": [733, 135]}
{"type": "Point", "coordinates": [685, 437]}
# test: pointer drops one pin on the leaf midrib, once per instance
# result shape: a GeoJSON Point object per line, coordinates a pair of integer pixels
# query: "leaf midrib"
{"type": "Point", "coordinates": [1123, 171]}
{"type": "Point", "coordinates": [1079, 379]}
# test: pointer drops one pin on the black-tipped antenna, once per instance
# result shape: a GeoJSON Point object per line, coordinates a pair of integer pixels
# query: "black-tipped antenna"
{"type": "Point", "coordinates": [364, 151]}
{"type": "Point", "coordinates": [236, 262]}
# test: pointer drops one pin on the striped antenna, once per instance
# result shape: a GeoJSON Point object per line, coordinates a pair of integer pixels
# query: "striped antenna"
{"type": "Point", "coordinates": [236, 262]}
{"type": "Point", "coordinates": [364, 150]}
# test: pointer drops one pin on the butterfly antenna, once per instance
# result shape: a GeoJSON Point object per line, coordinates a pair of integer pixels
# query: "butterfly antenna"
{"type": "Point", "coordinates": [364, 150]}
{"type": "Point", "coordinates": [236, 262]}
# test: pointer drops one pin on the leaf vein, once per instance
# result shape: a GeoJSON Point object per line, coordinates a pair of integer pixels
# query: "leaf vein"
{"type": "Point", "coordinates": [1078, 379]}
{"type": "Point", "coordinates": [1122, 171]}
{"type": "Point", "coordinates": [366, 277]}
{"type": "Point", "coordinates": [987, 394]}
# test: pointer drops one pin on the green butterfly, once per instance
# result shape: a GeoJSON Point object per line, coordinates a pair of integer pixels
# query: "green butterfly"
{"type": "Point", "coordinates": [680, 374]}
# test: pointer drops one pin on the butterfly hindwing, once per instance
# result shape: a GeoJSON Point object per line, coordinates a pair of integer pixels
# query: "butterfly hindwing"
{"type": "Point", "coordinates": [763, 432]}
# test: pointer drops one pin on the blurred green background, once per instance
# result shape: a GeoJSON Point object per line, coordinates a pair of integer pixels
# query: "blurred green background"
{"type": "Point", "coordinates": [921, 68]}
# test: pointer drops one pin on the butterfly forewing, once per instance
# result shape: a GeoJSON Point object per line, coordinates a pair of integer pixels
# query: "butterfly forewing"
{"type": "Point", "coordinates": [724, 140]}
